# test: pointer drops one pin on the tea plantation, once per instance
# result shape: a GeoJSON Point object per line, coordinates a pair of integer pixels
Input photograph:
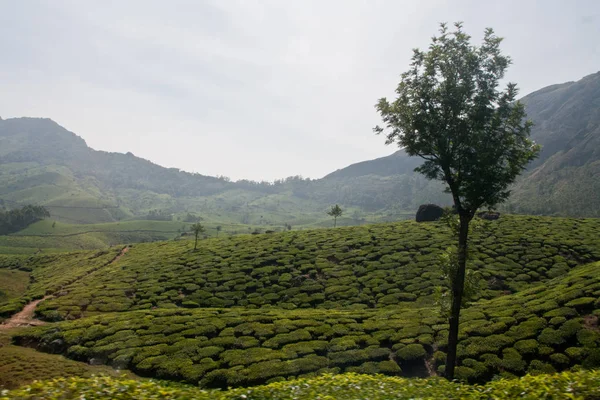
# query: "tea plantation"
{"type": "Point", "coordinates": [361, 267]}
{"type": "Point", "coordinates": [257, 309]}
{"type": "Point", "coordinates": [50, 273]}
{"type": "Point", "coordinates": [571, 385]}
{"type": "Point", "coordinates": [546, 328]}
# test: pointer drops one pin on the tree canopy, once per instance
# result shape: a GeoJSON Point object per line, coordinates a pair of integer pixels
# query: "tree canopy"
{"type": "Point", "coordinates": [335, 212]}
{"type": "Point", "coordinates": [450, 112]}
{"type": "Point", "coordinates": [197, 228]}
{"type": "Point", "coordinates": [18, 219]}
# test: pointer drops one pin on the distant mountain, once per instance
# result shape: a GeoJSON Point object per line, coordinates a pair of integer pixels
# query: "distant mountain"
{"type": "Point", "coordinates": [566, 178]}
{"type": "Point", "coordinates": [43, 163]}
{"type": "Point", "coordinates": [398, 163]}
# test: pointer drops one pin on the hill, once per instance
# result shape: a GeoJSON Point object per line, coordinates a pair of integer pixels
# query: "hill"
{"type": "Point", "coordinates": [370, 266]}
{"type": "Point", "coordinates": [249, 309]}
{"type": "Point", "coordinates": [566, 178]}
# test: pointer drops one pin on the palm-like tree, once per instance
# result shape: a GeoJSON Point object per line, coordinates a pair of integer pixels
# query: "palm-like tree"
{"type": "Point", "coordinates": [335, 212]}
{"type": "Point", "coordinates": [197, 228]}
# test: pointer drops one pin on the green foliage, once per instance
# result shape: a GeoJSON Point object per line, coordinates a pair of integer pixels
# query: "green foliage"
{"type": "Point", "coordinates": [411, 352]}
{"type": "Point", "coordinates": [507, 333]}
{"type": "Point", "coordinates": [21, 365]}
{"type": "Point", "coordinates": [13, 285]}
{"type": "Point", "coordinates": [17, 219]}
{"type": "Point", "coordinates": [335, 212]}
{"type": "Point", "coordinates": [574, 385]}
{"type": "Point", "coordinates": [484, 145]}
{"type": "Point", "coordinates": [197, 229]}
{"type": "Point", "coordinates": [344, 300]}
{"type": "Point", "coordinates": [373, 266]}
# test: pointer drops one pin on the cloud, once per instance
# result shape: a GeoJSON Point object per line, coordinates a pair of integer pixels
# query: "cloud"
{"type": "Point", "coordinates": [257, 90]}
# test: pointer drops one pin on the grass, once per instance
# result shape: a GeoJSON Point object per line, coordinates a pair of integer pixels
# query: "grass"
{"type": "Point", "coordinates": [50, 236]}
{"type": "Point", "coordinates": [21, 366]}
{"type": "Point", "coordinates": [13, 285]}
{"type": "Point", "coordinates": [49, 274]}
{"type": "Point", "coordinates": [572, 385]}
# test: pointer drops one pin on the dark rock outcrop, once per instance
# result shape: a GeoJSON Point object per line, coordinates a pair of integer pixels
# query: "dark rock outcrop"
{"type": "Point", "coordinates": [429, 212]}
{"type": "Point", "coordinates": [489, 215]}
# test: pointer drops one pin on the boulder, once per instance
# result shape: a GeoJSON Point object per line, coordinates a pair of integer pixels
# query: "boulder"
{"type": "Point", "coordinates": [489, 215]}
{"type": "Point", "coordinates": [429, 212]}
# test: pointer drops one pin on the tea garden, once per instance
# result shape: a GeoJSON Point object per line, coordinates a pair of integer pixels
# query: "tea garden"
{"type": "Point", "coordinates": [259, 309]}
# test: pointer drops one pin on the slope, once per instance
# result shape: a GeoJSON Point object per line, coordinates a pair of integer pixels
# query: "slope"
{"type": "Point", "coordinates": [366, 267]}
{"type": "Point", "coordinates": [566, 178]}
{"type": "Point", "coordinates": [20, 365]}
{"type": "Point", "coordinates": [546, 328]}
{"type": "Point", "coordinates": [43, 163]}
{"type": "Point", "coordinates": [247, 309]}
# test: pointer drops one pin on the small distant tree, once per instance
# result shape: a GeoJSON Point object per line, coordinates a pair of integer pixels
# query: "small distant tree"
{"type": "Point", "coordinates": [197, 228]}
{"type": "Point", "coordinates": [335, 212]}
{"type": "Point", "coordinates": [472, 136]}
{"type": "Point", "coordinates": [219, 227]}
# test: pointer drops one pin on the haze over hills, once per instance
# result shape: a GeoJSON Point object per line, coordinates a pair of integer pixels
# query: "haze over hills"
{"type": "Point", "coordinates": [43, 163]}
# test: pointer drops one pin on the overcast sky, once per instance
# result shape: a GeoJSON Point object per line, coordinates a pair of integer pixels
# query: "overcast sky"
{"type": "Point", "coordinates": [256, 89]}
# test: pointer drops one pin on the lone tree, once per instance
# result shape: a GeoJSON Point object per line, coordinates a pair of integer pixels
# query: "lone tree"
{"type": "Point", "coordinates": [335, 212]}
{"type": "Point", "coordinates": [472, 135]}
{"type": "Point", "coordinates": [219, 227]}
{"type": "Point", "coordinates": [197, 228]}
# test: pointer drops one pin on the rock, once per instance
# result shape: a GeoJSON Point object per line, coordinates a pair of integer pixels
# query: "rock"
{"type": "Point", "coordinates": [489, 215]}
{"type": "Point", "coordinates": [56, 346]}
{"type": "Point", "coordinates": [429, 212]}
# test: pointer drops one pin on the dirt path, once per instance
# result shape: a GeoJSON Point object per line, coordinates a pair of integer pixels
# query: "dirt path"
{"type": "Point", "coordinates": [25, 316]}
{"type": "Point", "coordinates": [121, 254]}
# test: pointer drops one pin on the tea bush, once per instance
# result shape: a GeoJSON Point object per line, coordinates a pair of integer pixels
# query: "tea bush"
{"type": "Point", "coordinates": [373, 266]}
{"type": "Point", "coordinates": [241, 347]}
{"type": "Point", "coordinates": [573, 385]}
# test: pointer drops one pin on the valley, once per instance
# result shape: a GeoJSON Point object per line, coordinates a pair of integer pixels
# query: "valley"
{"type": "Point", "coordinates": [124, 279]}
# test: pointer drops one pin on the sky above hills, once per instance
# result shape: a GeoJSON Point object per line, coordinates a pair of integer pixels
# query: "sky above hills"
{"type": "Point", "coordinates": [256, 89]}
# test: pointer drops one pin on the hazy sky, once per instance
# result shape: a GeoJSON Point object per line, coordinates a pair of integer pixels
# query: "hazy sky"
{"type": "Point", "coordinates": [256, 89]}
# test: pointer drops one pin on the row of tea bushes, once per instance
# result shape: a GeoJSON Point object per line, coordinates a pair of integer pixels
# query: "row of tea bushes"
{"type": "Point", "coordinates": [362, 267]}
{"type": "Point", "coordinates": [547, 328]}
{"type": "Point", "coordinates": [49, 274]}
{"type": "Point", "coordinates": [582, 385]}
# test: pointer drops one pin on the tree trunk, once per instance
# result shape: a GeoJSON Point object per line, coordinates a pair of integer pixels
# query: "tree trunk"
{"type": "Point", "coordinates": [457, 293]}
{"type": "Point", "coordinates": [334, 222]}
{"type": "Point", "coordinates": [196, 242]}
